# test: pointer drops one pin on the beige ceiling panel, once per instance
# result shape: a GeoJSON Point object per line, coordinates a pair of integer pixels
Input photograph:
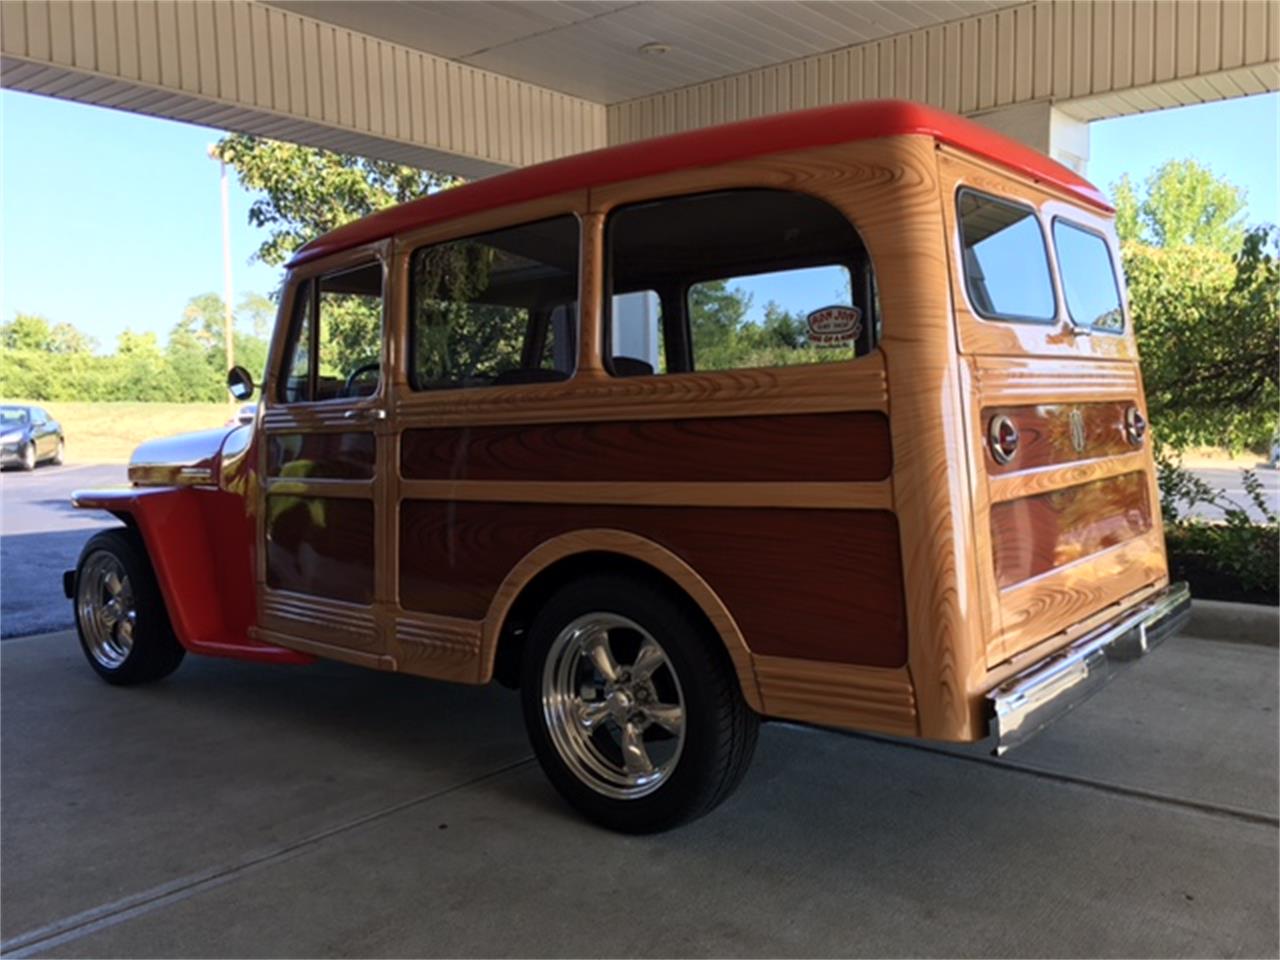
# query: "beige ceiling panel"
{"type": "Point", "coordinates": [476, 86]}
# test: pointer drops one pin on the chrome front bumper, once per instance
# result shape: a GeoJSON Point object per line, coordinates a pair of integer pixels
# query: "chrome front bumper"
{"type": "Point", "coordinates": [1028, 701]}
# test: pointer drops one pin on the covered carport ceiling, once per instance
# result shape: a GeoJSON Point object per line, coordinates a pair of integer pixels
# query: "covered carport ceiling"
{"type": "Point", "coordinates": [592, 48]}
{"type": "Point", "coordinates": [473, 88]}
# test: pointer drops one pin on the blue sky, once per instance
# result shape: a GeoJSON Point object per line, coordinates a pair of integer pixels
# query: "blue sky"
{"type": "Point", "coordinates": [112, 220]}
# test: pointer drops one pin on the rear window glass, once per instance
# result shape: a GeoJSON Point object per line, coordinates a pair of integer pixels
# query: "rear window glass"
{"type": "Point", "coordinates": [1006, 263]}
{"type": "Point", "coordinates": [1088, 275]}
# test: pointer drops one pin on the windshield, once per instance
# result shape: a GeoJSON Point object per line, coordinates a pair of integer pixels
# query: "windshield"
{"type": "Point", "coordinates": [11, 417]}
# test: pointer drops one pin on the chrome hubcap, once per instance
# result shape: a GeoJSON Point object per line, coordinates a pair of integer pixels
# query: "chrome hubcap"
{"type": "Point", "coordinates": [106, 609]}
{"type": "Point", "coordinates": [613, 705]}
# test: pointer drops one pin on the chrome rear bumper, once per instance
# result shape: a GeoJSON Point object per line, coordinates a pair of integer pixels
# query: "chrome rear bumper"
{"type": "Point", "coordinates": [1028, 701]}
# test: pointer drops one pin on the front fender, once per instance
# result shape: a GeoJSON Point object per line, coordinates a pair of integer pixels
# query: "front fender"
{"type": "Point", "coordinates": [200, 543]}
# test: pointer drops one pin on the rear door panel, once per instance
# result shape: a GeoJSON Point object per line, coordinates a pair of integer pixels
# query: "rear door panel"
{"type": "Point", "coordinates": [1071, 526]}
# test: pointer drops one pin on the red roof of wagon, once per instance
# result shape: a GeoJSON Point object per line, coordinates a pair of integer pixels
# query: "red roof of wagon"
{"type": "Point", "coordinates": [704, 147]}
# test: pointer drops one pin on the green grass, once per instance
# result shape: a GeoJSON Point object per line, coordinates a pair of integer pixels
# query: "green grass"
{"type": "Point", "coordinates": [108, 432]}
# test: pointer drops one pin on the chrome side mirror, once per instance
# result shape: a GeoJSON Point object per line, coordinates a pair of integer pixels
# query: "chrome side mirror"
{"type": "Point", "coordinates": [240, 383]}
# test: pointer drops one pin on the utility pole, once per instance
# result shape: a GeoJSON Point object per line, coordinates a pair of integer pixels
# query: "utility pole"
{"type": "Point", "coordinates": [228, 319]}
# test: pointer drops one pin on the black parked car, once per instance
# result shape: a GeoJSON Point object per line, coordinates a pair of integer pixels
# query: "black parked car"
{"type": "Point", "coordinates": [28, 435]}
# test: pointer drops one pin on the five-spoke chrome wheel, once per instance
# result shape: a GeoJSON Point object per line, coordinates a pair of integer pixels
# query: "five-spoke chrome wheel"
{"type": "Point", "coordinates": [106, 609]}
{"type": "Point", "coordinates": [613, 705]}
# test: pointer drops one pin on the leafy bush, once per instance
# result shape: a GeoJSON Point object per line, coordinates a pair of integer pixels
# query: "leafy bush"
{"type": "Point", "coordinates": [50, 362]}
{"type": "Point", "coordinates": [1236, 558]}
{"type": "Point", "coordinates": [1206, 324]}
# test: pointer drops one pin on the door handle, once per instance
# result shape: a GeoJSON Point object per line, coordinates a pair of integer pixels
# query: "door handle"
{"type": "Point", "coordinates": [369, 413]}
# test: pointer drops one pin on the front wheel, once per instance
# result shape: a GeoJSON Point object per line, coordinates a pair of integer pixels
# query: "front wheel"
{"type": "Point", "coordinates": [633, 710]}
{"type": "Point", "coordinates": [120, 615]}
{"type": "Point", "coordinates": [27, 459]}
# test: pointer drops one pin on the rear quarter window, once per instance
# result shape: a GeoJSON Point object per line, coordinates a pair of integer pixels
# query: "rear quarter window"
{"type": "Point", "coordinates": [1089, 282]}
{"type": "Point", "coordinates": [1005, 259]}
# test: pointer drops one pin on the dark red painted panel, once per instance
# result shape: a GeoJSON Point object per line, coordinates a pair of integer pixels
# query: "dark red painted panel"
{"type": "Point", "coordinates": [322, 546]}
{"type": "Point", "coordinates": [800, 447]}
{"type": "Point", "coordinates": [319, 456]}
{"type": "Point", "coordinates": [815, 584]}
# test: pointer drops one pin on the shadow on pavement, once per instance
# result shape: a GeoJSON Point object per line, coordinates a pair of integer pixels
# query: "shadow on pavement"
{"type": "Point", "coordinates": [31, 566]}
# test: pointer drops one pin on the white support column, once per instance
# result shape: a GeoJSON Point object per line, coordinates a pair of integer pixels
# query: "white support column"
{"type": "Point", "coordinates": [635, 326]}
{"type": "Point", "coordinates": [1046, 128]}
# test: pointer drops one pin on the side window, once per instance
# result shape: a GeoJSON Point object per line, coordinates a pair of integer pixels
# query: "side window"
{"type": "Point", "coordinates": [335, 343]}
{"type": "Point", "coordinates": [496, 309]}
{"type": "Point", "coordinates": [1006, 262]}
{"type": "Point", "coordinates": [735, 279]}
{"type": "Point", "coordinates": [38, 416]}
{"type": "Point", "coordinates": [1089, 283]}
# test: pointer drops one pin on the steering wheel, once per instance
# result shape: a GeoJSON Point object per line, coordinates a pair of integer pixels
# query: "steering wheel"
{"type": "Point", "coordinates": [354, 375]}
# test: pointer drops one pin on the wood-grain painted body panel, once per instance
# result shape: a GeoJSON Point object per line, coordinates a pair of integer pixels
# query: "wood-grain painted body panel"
{"type": "Point", "coordinates": [1046, 438]}
{"type": "Point", "coordinates": [815, 584]}
{"type": "Point", "coordinates": [1035, 534]}
{"type": "Point", "coordinates": [1041, 571]}
{"type": "Point", "coordinates": [809, 559]}
{"type": "Point", "coordinates": [801, 447]}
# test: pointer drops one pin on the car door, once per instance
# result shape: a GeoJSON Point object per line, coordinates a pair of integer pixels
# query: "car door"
{"type": "Point", "coordinates": [41, 435]}
{"type": "Point", "coordinates": [324, 436]}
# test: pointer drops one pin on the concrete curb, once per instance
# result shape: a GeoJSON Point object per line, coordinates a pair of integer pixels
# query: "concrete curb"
{"type": "Point", "coordinates": [1235, 622]}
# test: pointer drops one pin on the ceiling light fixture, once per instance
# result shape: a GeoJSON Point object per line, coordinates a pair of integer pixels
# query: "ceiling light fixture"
{"type": "Point", "coordinates": [654, 48]}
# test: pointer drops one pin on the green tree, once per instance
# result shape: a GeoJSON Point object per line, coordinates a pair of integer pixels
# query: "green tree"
{"type": "Point", "coordinates": [141, 370]}
{"type": "Point", "coordinates": [1185, 204]}
{"type": "Point", "coordinates": [1203, 294]}
{"type": "Point", "coordinates": [716, 315]}
{"type": "Point", "coordinates": [1206, 324]}
{"type": "Point", "coordinates": [203, 319]}
{"type": "Point", "coordinates": [308, 192]}
{"type": "Point", "coordinates": [66, 339]}
{"type": "Point", "coordinates": [26, 331]}
{"type": "Point", "coordinates": [258, 312]}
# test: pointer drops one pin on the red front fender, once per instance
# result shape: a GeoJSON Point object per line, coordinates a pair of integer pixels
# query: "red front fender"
{"type": "Point", "coordinates": [200, 542]}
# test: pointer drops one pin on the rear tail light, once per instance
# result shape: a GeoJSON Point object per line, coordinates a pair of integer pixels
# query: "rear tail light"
{"type": "Point", "coordinates": [1002, 437]}
{"type": "Point", "coordinates": [1135, 426]}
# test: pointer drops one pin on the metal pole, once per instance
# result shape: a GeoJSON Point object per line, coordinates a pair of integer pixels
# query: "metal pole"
{"type": "Point", "coordinates": [228, 320]}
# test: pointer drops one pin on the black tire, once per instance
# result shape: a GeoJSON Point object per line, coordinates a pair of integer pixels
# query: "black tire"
{"type": "Point", "coordinates": [720, 729]}
{"type": "Point", "coordinates": [154, 652]}
{"type": "Point", "coordinates": [56, 459]}
{"type": "Point", "coordinates": [27, 461]}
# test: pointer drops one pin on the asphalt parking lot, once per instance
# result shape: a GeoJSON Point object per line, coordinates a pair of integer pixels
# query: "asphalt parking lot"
{"type": "Point", "coordinates": [40, 536]}
{"type": "Point", "coordinates": [246, 810]}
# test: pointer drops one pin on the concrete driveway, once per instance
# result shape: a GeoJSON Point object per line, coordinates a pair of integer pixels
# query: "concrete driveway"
{"type": "Point", "coordinates": [240, 810]}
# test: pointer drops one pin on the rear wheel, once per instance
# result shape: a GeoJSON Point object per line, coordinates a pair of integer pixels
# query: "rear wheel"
{"type": "Point", "coordinates": [633, 711]}
{"type": "Point", "coordinates": [56, 460]}
{"type": "Point", "coordinates": [120, 615]}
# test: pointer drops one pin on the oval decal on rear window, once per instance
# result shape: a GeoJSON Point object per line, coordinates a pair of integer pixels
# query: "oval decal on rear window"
{"type": "Point", "coordinates": [834, 326]}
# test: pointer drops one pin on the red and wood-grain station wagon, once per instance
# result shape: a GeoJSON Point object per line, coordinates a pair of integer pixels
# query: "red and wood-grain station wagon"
{"type": "Point", "coordinates": [832, 417]}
